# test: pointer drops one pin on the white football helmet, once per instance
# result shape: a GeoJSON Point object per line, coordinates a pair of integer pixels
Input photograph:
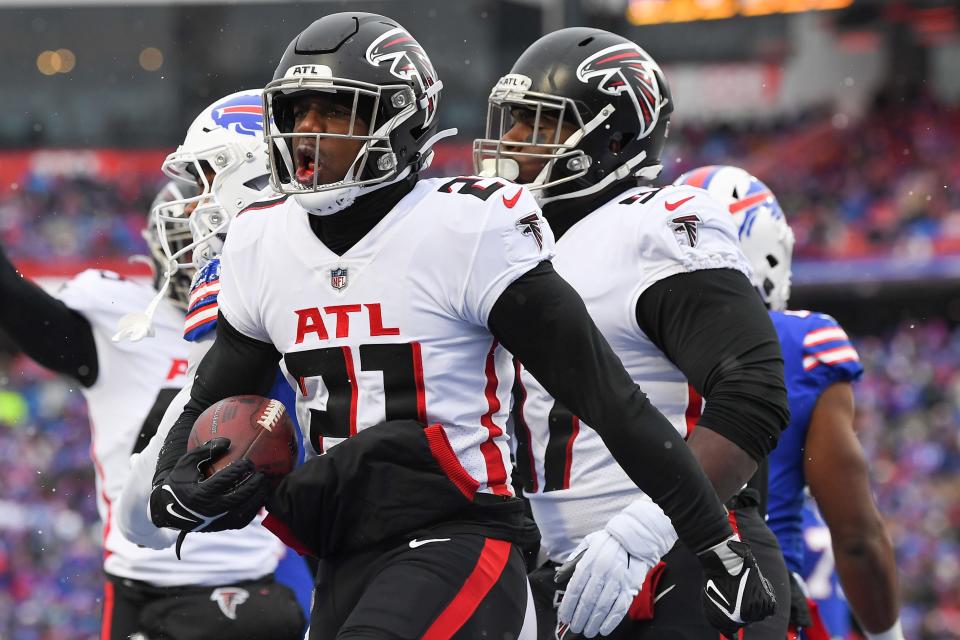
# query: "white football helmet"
{"type": "Point", "coordinates": [765, 236]}
{"type": "Point", "coordinates": [225, 140]}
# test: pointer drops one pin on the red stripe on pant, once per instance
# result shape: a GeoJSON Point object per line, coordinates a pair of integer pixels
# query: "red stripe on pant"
{"type": "Point", "coordinates": [106, 624]}
{"type": "Point", "coordinates": [493, 558]}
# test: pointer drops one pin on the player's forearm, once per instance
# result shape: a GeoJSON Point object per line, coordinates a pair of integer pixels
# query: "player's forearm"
{"type": "Point", "coordinates": [235, 365]}
{"type": "Point", "coordinates": [542, 321]}
{"type": "Point", "coordinates": [727, 466]}
{"type": "Point", "coordinates": [867, 569]}
{"type": "Point", "coordinates": [46, 329]}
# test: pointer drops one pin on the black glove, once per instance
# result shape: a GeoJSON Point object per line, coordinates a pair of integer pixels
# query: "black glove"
{"type": "Point", "coordinates": [734, 597]}
{"type": "Point", "coordinates": [229, 499]}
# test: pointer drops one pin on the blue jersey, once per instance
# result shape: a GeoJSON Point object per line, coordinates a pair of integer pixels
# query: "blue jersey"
{"type": "Point", "coordinates": [816, 354]}
{"type": "Point", "coordinates": [819, 573]}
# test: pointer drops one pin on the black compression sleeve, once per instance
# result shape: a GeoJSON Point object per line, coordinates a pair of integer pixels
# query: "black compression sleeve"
{"type": "Point", "coordinates": [714, 327]}
{"type": "Point", "coordinates": [544, 323]}
{"type": "Point", "coordinates": [45, 328]}
{"type": "Point", "coordinates": [235, 365]}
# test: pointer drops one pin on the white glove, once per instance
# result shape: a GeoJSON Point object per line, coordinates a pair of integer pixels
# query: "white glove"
{"type": "Point", "coordinates": [614, 563]}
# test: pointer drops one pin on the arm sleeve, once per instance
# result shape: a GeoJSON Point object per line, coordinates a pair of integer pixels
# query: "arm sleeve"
{"type": "Point", "coordinates": [45, 328]}
{"type": "Point", "coordinates": [544, 323]}
{"type": "Point", "coordinates": [714, 327]}
{"type": "Point", "coordinates": [235, 365]}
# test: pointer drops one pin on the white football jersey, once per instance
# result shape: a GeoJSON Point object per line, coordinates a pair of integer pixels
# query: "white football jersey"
{"type": "Point", "coordinates": [397, 326]}
{"type": "Point", "coordinates": [135, 384]}
{"type": "Point", "coordinates": [611, 257]}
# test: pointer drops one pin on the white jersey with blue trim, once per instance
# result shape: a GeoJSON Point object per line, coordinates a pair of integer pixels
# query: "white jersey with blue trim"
{"type": "Point", "coordinates": [396, 327]}
{"type": "Point", "coordinates": [611, 257]}
{"type": "Point", "coordinates": [135, 384]}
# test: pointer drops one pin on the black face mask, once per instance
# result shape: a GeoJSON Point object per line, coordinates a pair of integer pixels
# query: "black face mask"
{"type": "Point", "coordinates": [343, 229]}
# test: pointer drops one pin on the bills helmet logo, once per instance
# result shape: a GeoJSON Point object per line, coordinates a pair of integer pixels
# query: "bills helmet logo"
{"type": "Point", "coordinates": [407, 60]}
{"type": "Point", "coordinates": [338, 278]}
{"type": "Point", "coordinates": [228, 599]}
{"type": "Point", "coordinates": [240, 114]}
{"type": "Point", "coordinates": [685, 229]}
{"type": "Point", "coordinates": [530, 226]}
{"type": "Point", "coordinates": [626, 68]}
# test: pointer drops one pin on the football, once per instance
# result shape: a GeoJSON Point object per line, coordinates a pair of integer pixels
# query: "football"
{"type": "Point", "coordinates": [259, 430]}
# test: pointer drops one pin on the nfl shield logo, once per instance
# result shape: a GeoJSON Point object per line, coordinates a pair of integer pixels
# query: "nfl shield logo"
{"type": "Point", "coordinates": [338, 278]}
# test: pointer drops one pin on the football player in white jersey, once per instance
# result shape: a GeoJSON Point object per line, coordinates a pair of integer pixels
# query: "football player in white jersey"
{"type": "Point", "coordinates": [227, 589]}
{"type": "Point", "coordinates": [820, 448]}
{"type": "Point", "coordinates": [392, 299]}
{"type": "Point", "coordinates": [581, 120]}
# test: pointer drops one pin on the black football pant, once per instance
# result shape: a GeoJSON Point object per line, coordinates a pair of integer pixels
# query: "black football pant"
{"type": "Point", "coordinates": [677, 610]}
{"type": "Point", "coordinates": [431, 587]}
{"type": "Point", "coordinates": [249, 610]}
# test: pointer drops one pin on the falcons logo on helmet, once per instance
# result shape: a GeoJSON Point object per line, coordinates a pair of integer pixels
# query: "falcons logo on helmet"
{"type": "Point", "coordinates": [407, 60]}
{"type": "Point", "coordinates": [626, 68]}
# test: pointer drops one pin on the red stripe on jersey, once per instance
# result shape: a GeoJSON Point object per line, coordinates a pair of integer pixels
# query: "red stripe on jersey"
{"type": "Point", "coordinates": [446, 457]}
{"type": "Point", "coordinates": [199, 323]}
{"type": "Point", "coordinates": [281, 529]}
{"type": "Point", "coordinates": [732, 517]}
{"type": "Point", "coordinates": [694, 409]}
{"type": "Point", "coordinates": [568, 463]}
{"type": "Point", "coordinates": [493, 558]}
{"type": "Point", "coordinates": [496, 472]}
{"type": "Point", "coordinates": [202, 307]}
{"type": "Point", "coordinates": [352, 377]}
{"type": "Point", "coordinates": [258, 206]}
{"type": "Point", "coordinates": [106, 625]}
{"type": "Point", "coordinates": [98, 469]}
{"type": "Point", "coordinates": [418, 380]}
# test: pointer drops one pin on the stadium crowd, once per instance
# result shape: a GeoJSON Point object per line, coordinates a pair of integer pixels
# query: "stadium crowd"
{"type": "Point", "coordinates": [889, 182]}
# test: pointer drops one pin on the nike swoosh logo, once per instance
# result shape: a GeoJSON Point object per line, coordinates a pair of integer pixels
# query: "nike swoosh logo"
{"type": "Point", "coordinates": [733, 612]}
{"type": "Point", "coordinates": [673, 205]}
{"type": "Point", "coordinates": [419, 543]}
{"type": "Point", "coordinates": [513, 201]}
{"type": "Point", "coordinates": [179, 515]}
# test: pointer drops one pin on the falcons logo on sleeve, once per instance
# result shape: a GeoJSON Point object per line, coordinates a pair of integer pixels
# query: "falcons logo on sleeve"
{"type": "Point", "coordinates": [685, 229]}
{"type": "Point", "coordinates": [530, 226]}
{"type": "Point", "coordinates": [407, 60]}
{"type": "Point", "coordinates": [626, 68]}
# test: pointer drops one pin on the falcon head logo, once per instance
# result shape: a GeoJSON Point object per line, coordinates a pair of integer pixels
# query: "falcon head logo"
{"type": "Point", "coordinates": [685, 229]}
{"type": "Point", "coordinates": [228, 599]}
{"type": "Point", "coordinates": [529, 225]}
{"type": "Point", "coordinates": [626, 68]}
{"type": "Point", "coordinates": [407, 60]}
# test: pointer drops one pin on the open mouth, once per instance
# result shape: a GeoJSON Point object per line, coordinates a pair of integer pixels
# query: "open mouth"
{"type": "Point", "coordinates": [307, 164]}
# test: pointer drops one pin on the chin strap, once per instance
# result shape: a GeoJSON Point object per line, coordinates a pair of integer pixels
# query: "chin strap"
{"type": "Point", "coordinates": [340, 199]}
{"type": "Point", "coordinates": [139, 325]}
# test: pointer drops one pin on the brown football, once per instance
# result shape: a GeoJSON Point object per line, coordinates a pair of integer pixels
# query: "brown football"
{"type": "Point", "coordinates": [259, 430]}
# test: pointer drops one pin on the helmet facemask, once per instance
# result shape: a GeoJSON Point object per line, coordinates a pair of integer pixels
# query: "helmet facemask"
{"type": "Point", "coordinates": [495, 157]}
{"type": "Point", "coordinates": [165, 242]}
{"type": "Point", "coordinates": [382, 107]}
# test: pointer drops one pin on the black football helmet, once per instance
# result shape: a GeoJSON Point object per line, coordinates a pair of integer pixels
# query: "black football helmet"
{"type": "Point", "coordinates": [614, 94]}
{"type": "Point", "coordinates": [372, 63]}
